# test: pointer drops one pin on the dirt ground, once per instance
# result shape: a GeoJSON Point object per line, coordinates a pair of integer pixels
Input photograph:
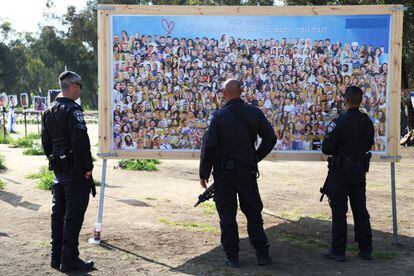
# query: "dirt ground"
{"type": "Point", "coordinates": [151, 228]}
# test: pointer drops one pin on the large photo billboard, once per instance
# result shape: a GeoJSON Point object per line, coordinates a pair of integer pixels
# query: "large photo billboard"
{"type": "Point", "coordinates": [166, 74]}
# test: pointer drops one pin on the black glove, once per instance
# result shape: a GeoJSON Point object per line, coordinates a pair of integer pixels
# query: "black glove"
{"type": "Point", "coordinates": [92, 185]}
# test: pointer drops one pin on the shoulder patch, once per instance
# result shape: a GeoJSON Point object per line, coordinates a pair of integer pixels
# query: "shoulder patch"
{"type": "Point", "coordinates": [78, 115]}
{"type": "Point", "coordinates": [331, 127]}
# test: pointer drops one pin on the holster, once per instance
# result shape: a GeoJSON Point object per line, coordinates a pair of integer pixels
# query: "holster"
{"type": "Point", "coordinates": [62, 161]}
{"type": "Point", "coordinates": [231, 164]}
{"type": "Point", "coordinates": [346, 163]}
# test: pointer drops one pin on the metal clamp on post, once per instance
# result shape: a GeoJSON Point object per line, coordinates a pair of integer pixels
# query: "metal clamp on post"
{"type": "Point", "coordinates": [402, 8]}
{"type": "Point", "coordinates": [105, 8]}
{"type": "Point", "coordinates": [391, 157]}
{"type": "Point", "coordinates": [107, 154]}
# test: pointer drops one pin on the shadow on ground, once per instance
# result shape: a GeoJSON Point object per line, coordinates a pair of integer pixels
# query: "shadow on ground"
{"type": "Point", "coordinates": [16, 201]}
{"type": "Point", "coordinates": [296, 248]}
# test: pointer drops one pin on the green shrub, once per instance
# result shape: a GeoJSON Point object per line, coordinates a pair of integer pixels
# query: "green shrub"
{"type": "Point", "coordinates": [2, 184]}
{"type": "Point", "coordinates": [2, 162]}
{"type": "Point", "coordinates": [36, 149]}
{"type": "Point", "coordinates": [44, 178]}
{"type": "Point", "coordinates": [139, 165]}
{"type": "Point", "coordinates": [46, 181]}
{"type": "Point", "coordinates": [5, 140]}
{"type": "Point", "coordinates": [43, 170]}
{"type": "Point", "coordinates": [22, 142]}
{"type": "Point", "coordinates": [33, 136]}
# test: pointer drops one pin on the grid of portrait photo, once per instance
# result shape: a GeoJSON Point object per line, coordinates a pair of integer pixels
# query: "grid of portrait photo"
{"type": "Point", "coordinates": [165, 88]}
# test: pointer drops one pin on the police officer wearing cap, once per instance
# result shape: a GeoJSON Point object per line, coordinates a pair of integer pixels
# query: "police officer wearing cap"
{"type": "Point", "coordinates": [66, 144]}
{"type": "Point", "coordinates": [348, 141]}
{"type": "Point", "coordinates": [229, 150]}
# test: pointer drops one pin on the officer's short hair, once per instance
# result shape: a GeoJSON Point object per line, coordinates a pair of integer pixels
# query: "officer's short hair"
{"type": "Point", "coordinates": [66, 78]}
{"type": "Point", "coordinates": [354, 95]}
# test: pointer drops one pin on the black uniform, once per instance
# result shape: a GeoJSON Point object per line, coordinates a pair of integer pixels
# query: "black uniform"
{"type": "Point", "coordinates": [229, 148]}
{"type": "Point", "coordinates": [66, 143]}
{"type": "Point", "coordinates": [348, 139]}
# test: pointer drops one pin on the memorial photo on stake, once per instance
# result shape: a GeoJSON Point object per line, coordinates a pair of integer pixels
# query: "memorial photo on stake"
{"type": "Point", "coordinates": [3, 100]}
{"type": "Point", "coordinates": [24, 100]}
{"type": "Point", "coordinates": [168, 71]}
{"type": "Point", "coordinates": [39, 103]}
{"type": "Point", "coordinates": [52, 95]}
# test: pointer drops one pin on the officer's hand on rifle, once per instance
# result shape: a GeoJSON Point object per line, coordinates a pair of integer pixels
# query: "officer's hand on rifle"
{"type": "Point", "coordinates": [203, 183]}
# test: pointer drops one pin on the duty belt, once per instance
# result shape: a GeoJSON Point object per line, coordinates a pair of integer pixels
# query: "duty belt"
{"type": "Point", "coordinates": [230, 164]}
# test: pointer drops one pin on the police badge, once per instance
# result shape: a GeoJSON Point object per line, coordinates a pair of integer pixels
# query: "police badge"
{"type": "Point", "coordinates": [331, 127]}
{"type": "Point", "coordinates": [78, 115]}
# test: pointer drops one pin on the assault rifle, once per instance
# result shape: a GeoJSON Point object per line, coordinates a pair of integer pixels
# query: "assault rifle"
{"type": "Point", "coordinates": [208, 193]}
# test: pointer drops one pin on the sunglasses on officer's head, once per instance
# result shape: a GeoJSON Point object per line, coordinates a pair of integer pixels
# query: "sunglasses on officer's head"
{"type": "Point", "coordinates": [79, 84]}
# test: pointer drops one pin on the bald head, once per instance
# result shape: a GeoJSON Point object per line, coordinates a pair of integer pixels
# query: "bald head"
{"type": "Point", "coordinates": [232, 89]}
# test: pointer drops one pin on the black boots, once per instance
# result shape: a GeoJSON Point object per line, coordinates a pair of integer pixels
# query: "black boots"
{"type": "Point", "coordinates": [331, 256]}
{"type": "Point", "coordinates": [77, 265]}
{"type": "Point", "coordinates": [262, 256]}
{"type": "Point", "coordinates": [365, 256]}
{"type": "Point", "coordinates": [232, 262]}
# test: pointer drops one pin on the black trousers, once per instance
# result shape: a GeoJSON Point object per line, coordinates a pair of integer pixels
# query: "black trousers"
{"type": "Point", "coordinates": [341, 186]}
{"type": "Point", "coordinates": [229, 184]}
{"type": "Point", "coordinates": [70, 200]}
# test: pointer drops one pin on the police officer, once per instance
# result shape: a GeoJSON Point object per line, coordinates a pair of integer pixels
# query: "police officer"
{"type": "Point", "coordinates": [229, 149]}
{"type": "Point", "coordinates": [348, 141]}
{"type": "Point", "coordinates": [66, 144]}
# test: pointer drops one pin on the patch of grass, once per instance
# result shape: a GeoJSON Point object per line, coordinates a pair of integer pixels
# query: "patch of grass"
{"type": "Point", "coordinates": [44, 178]}
{"type": "Point", "coordinates": [35, 149]}
{"type": "Point", "coordinates": [192, 226]}
{"type": "Point", "coordinates": [28, 142]}
{"type": "Point", "coordinates": [353, 248]}
{"type": "Point", "coordinates": [43, 170]}
{"type": "Point", "coordinates": [384, 255]}
{"type": "Point", "coordinates": [22, 142]}
{"type": "Point", "coordinates": [2, 184]}
{"type": "Point", "coordinates": [2, 162]}
{"type": "Point", "coordinates": [46, 181]}
{"type": "Point", "coordinates": [377, 254]}
{"type": "Point", "coordinates": [149, 198]}
{"type": "Point", "coordinates": [301, 241]}
{"type": "Point", "coordinates": [294, 214]}
{"type": "Point", "coordinates": [139, 164]}
{"type": "Point", "coordinates": [33, 136]}
{"type": "Point", "coordinates": [4, 140]}
{"type": "Point", "coordinates": [209, 208]}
